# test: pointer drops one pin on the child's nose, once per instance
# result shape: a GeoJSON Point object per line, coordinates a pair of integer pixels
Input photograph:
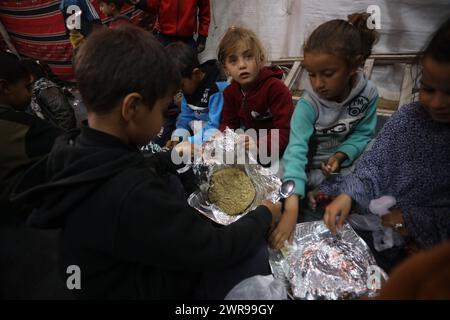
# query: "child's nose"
{"type": "Point", "coordinates": [241, 63]}
{"type": "Point", "coordinates": [318, 83]}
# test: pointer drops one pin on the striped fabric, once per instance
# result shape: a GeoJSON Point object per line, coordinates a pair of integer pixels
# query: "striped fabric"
{"type": "Point", "coordinates": [37, 30]}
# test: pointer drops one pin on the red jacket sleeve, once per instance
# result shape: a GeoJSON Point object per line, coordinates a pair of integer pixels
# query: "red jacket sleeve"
{"type": "Point", "coordinates": [281, 108]}
{"type": "Point", "coordinates": [152, 6]}
{"type": "Point", "coordinates": [204, 17]}
{"type": "Point", "coordinates": [230, 112]}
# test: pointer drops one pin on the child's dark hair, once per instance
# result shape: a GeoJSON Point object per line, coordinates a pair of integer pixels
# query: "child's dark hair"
{"type": "Point", "coordinates": [115, 62]}
{"type": "Point", "coordinates": [438, 47]}
{"type": "Point", "coordinates": [119, 3]}
{"type": "Point", "coordinates": [348, 39]}
{"type": "Point", "coordinates": [11, 69]}
{"type": "Point", "coordinates": [184, 58]}
{"type": "Point", "coordinates": [35, 68]}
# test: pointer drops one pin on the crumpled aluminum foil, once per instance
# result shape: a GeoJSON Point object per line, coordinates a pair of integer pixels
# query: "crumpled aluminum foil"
{"type": "Point", "coordinates": [215, 151]}
{"type": "Point", "coordinates": [319, 265]}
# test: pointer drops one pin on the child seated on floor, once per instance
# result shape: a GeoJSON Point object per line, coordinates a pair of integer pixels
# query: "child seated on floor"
{"type": "Point", "coordinates": [202, 101]}
{"type": "Point", "coordinates": [126, 229]}
{"type": "Point", "coordinates": [334, 120]}
{"type": "Point", "coordinates": [256, 98]}
{"type": "Point", "coordinates": [49, 101]}
{"type": "Point", "coordinates": [409, 160]}
{"type": "Point", "coordinates": [24, 138]}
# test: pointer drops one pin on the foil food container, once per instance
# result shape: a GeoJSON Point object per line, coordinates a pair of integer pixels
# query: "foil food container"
{"type": "Point", "coordinates": [319, 265]}
{"type": "Point", "coordinates": [217, 154]}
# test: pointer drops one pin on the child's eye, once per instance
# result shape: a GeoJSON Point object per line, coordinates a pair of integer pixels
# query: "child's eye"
{"type": "Point", "coordinates": [312, 75]}
{"type": "Point", "coordinates": [328, 73]}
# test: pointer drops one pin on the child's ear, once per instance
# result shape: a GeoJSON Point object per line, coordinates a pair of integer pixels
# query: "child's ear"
{"type": "Point", "coordinates": [196, 73]}
{"type": "Point", "coordinates": [129, 106]}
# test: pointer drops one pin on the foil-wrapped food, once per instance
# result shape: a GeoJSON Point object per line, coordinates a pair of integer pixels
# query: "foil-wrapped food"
{"type": "Point", "coordinates": [320, 265]}
{"type": "Point", "coordinates": [230, 181]}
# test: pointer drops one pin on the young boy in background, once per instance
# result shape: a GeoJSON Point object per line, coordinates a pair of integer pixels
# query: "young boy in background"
{"type": "Point", "coordinates": [24, 138]}
{"type": "Point", "coordinates": [202, 87]}
{"type": "Point", "coordinates": [111, 9]}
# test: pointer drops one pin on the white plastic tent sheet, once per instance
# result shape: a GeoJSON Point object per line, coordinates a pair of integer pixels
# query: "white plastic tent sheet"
{"type": "Point", "coordinates": [283, 25]}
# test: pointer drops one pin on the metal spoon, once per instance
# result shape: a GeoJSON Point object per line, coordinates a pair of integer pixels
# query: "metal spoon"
{"type": "Point", "coordinates": [286, 189]}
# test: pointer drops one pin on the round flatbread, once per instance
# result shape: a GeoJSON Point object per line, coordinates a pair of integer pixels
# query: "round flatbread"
{"type": "Point", "coordinates": [231, 190]}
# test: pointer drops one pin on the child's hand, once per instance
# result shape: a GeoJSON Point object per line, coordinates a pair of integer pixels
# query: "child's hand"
{"type": "Point", "coordinates": [394, 219]}
{"type": "Point", "coordinates": [275, 210]}
{"type": "Point", "coordinates": [339, 207]}
{"type": "Point", "coordinates": [333, 164]}
{"type": "Point", "coordinates": [172, 143]}
{"type": "Point", "coordinates": [185, 148]}
{"type": "Point", "coordinates": [177, 99]}
{"type": "Point", "coordinates": [248, 142]}
{"type": "Point", "coordinates": [283, 231]}
{"type": "Point", "coordinates": [311, 198]}
{"type": "Point", "coordinates": [200, 48]}
{"type": "Point", "coordinates": [286, 227]}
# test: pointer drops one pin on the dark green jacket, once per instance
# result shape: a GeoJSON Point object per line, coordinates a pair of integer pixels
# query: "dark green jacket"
{"type": "Point", "coordinates": [24, 139]}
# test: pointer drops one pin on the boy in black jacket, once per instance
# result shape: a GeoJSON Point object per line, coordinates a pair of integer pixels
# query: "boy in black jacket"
{"type": "Point", "coordinates": [24, 138]}
{"type": "Point", "coordinates": [122, 226]}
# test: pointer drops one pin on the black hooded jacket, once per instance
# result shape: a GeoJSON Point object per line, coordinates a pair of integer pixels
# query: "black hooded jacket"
{"type": "Point", "coordinates": [123, 224]}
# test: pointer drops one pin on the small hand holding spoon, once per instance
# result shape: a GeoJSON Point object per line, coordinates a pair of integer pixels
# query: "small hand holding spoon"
{"type": "Point", "coordinates": [286, 189]}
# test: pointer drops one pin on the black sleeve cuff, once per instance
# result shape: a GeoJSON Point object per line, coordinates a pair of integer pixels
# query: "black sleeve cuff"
{"type": "Point", "coordinates": [264, 213]}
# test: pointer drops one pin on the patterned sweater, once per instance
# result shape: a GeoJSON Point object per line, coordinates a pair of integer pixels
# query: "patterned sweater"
{"type": "Point", "coordinates": [410, 160]}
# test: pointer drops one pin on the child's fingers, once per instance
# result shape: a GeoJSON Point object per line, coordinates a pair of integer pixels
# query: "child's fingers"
{"type": "Point", "coordinates": [277, 239]}
{"type": "Point", "coordinates": [171, 143]}
{"type": "Point", "coordinates": [325, 168]}
{"type": "Point", "coordinates": [334, 166]}
{"type": "Point", "coordinates": [279, 242]}
{"type": "Point", "coordinates": [272, 241]}
{"type": "Point", "coordinates": [330, 220]}
{"type": "Point", "coordinates": [272, 236]}
{"type": "Point", "coordinates": [311, 200]}
{"type": "Point", "coordinates": [311, 197]}
{"type": "Point", "coordinates": [341, 222]}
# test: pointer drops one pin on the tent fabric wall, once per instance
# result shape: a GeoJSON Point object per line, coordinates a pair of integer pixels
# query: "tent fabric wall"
{"type": "Point", "coordinates": [283, 25]}
{"type": "Point", "coordinates": [37, 30]}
